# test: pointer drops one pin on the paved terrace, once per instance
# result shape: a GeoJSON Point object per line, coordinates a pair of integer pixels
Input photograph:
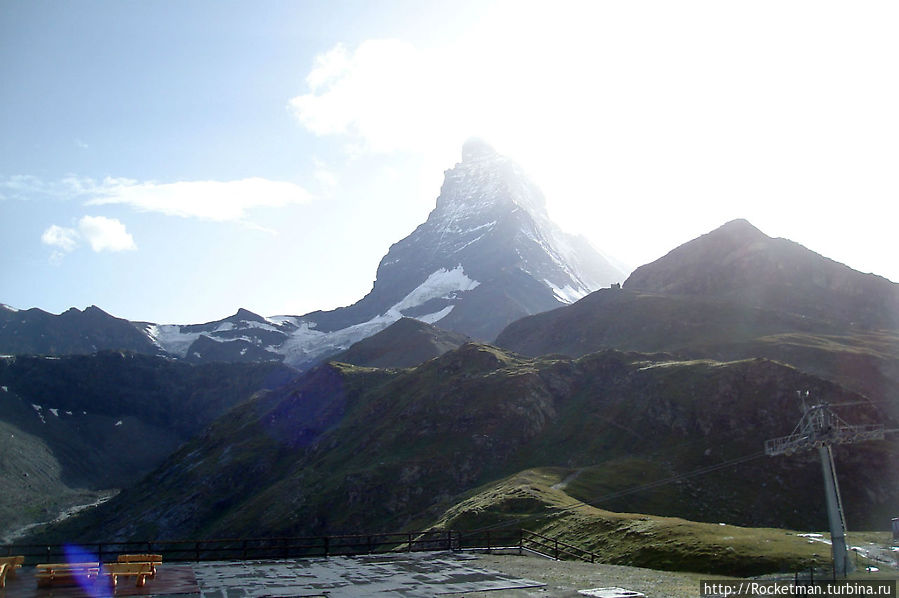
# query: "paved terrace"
{"type": "Point", "coordinates": [411, 575]}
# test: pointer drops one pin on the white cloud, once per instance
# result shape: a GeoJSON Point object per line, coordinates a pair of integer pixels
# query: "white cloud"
{"type": "Point", "coordinates": [23, 186]}
{"type": "Point", "coordinates": [101, 233]}
{"type": "Point", "coordinates": [388, 93]}
{"type": "Point", "coordinates": [328, 67]}
{"type": "Point", "coordinates": [105, 234]}
{"type": "Point", "coordinates": [65, 239]}
{"type": "Point", "coordinates": [218, 201]}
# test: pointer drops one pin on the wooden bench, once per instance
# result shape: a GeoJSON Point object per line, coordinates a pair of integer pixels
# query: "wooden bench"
{"type": "Point", "coordinates": [152, 559]}
{"type": "Point", "coordinates": [140, 571]}
{"type": "Point", "coordinates": [8, 566]}
{"type": "Point", "coordinates": [65, 573]}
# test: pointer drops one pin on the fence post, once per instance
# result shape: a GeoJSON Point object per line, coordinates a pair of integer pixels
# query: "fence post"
{"type": "Point", "coordinates": [100, 552]}
{"type": "Point", "coordinates": [520, 540]}
{"type": "Point", "coordinates": [326, 540]}
{"type": "Point", "coordinates": [197, 550]}
{"type": "Point", "coordinates": [488, 540]}
{"type": "Point", "coordinates": [409, 544]}
{"type": "Point", "coordinates": [557, 548]}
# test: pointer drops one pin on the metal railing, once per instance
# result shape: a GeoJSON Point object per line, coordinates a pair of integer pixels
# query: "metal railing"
{"type": "Point", "coordinates": [555, 548]}
{"type": "Point", "coordinates": [241, 548]}
{"type": "Point", "coordinates": [244, 549]}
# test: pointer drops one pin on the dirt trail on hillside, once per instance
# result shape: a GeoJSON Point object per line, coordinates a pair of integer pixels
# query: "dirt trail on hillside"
{"type": "Point", "coordinates": [568, 479]}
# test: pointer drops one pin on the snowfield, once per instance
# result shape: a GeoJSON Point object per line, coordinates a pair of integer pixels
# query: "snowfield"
{"type": "Point", "coordinates": [303, 343]}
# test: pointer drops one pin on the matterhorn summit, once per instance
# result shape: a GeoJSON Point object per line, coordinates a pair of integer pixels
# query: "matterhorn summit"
{"type": "Point", "coordinates": [487, 255]}
{"type": "Point", "coordinates": [490, 224]}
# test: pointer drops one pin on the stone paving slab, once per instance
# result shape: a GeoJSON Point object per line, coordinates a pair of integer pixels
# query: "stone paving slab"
{"type": "Point", "coordinates": [410, 575]}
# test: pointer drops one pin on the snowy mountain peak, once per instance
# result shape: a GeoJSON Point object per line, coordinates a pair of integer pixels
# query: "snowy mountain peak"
{"type": "Point", "coordinates": [490, 220]}
{"type": "Point", "coordinates": [487, 255]}
{"type": "Point", "coordinates": [477, 149]}
{"type": "Point", "coordinates": [485, 183]}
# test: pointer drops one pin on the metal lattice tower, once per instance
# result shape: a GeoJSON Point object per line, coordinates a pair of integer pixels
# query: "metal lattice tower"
{"type": "Point", "coordinates": [820, 428]}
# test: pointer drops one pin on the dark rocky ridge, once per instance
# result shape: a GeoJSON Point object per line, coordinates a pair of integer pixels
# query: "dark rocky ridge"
{"type": "Point", "coordinates": [36, 332]}
{"type": "Point", "coordinates": [405, 343]}
{"type": "Point", "coordinates": [740, 264]}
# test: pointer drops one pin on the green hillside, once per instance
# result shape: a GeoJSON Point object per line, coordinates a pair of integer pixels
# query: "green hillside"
{"type": "Point", "coordinates": [345, 448]}
{"type": "Point", "coordinates": [533, 500]}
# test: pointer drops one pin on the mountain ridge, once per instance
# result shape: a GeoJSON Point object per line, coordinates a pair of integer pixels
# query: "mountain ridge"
{"type": "Point", "coordinates": [345, 448]}
{"type": "Point", "coordinates": [486, 255]}
{"type": "Point", "coordinates": [736, 293]}
{"type": "Point", "coordinates": [739, 263]}
{"type": "Point", "coordinates": [405, 343]}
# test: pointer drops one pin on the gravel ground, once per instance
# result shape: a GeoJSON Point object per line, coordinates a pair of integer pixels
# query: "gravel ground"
{"type": "Point", "coordinates": [563, 579]}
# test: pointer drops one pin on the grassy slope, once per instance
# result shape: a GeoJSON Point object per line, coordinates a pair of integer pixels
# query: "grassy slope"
{"type": "Point", "coordinates": [531, 499]}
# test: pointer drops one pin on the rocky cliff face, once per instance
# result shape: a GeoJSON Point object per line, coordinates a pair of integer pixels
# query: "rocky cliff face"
{"type": "Point", "coordinates": [488, 254]}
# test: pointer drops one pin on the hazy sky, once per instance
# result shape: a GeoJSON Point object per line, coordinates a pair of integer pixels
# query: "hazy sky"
{"type": "Point", "coordinates": [173, 161]}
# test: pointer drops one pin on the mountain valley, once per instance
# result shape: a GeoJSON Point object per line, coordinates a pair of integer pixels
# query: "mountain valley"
{"type": "Point", "coordinates": [496, 375]}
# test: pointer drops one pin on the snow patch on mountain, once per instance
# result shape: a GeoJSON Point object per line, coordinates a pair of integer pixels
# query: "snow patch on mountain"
{"type": "Point", "coordinates": [272, 326]}
{"type": "Point", "coordinates": [218, 339]}
{"type": "Point", "coordinates": [306, 343]}
{"type": "Point", "coordinates": [567, 294]}
{"type": "Point", "coordinates": [438, 285]}
{"type": "Point", "coordinates": [436, 316]}
{"type": "Point", "coordinates": [294, 321]}
{"type": "Point", "coordinates": [170, 339]}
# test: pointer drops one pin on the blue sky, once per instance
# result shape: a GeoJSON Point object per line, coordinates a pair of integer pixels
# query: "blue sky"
{"type": "Point", "coordinates": [173, 161]}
